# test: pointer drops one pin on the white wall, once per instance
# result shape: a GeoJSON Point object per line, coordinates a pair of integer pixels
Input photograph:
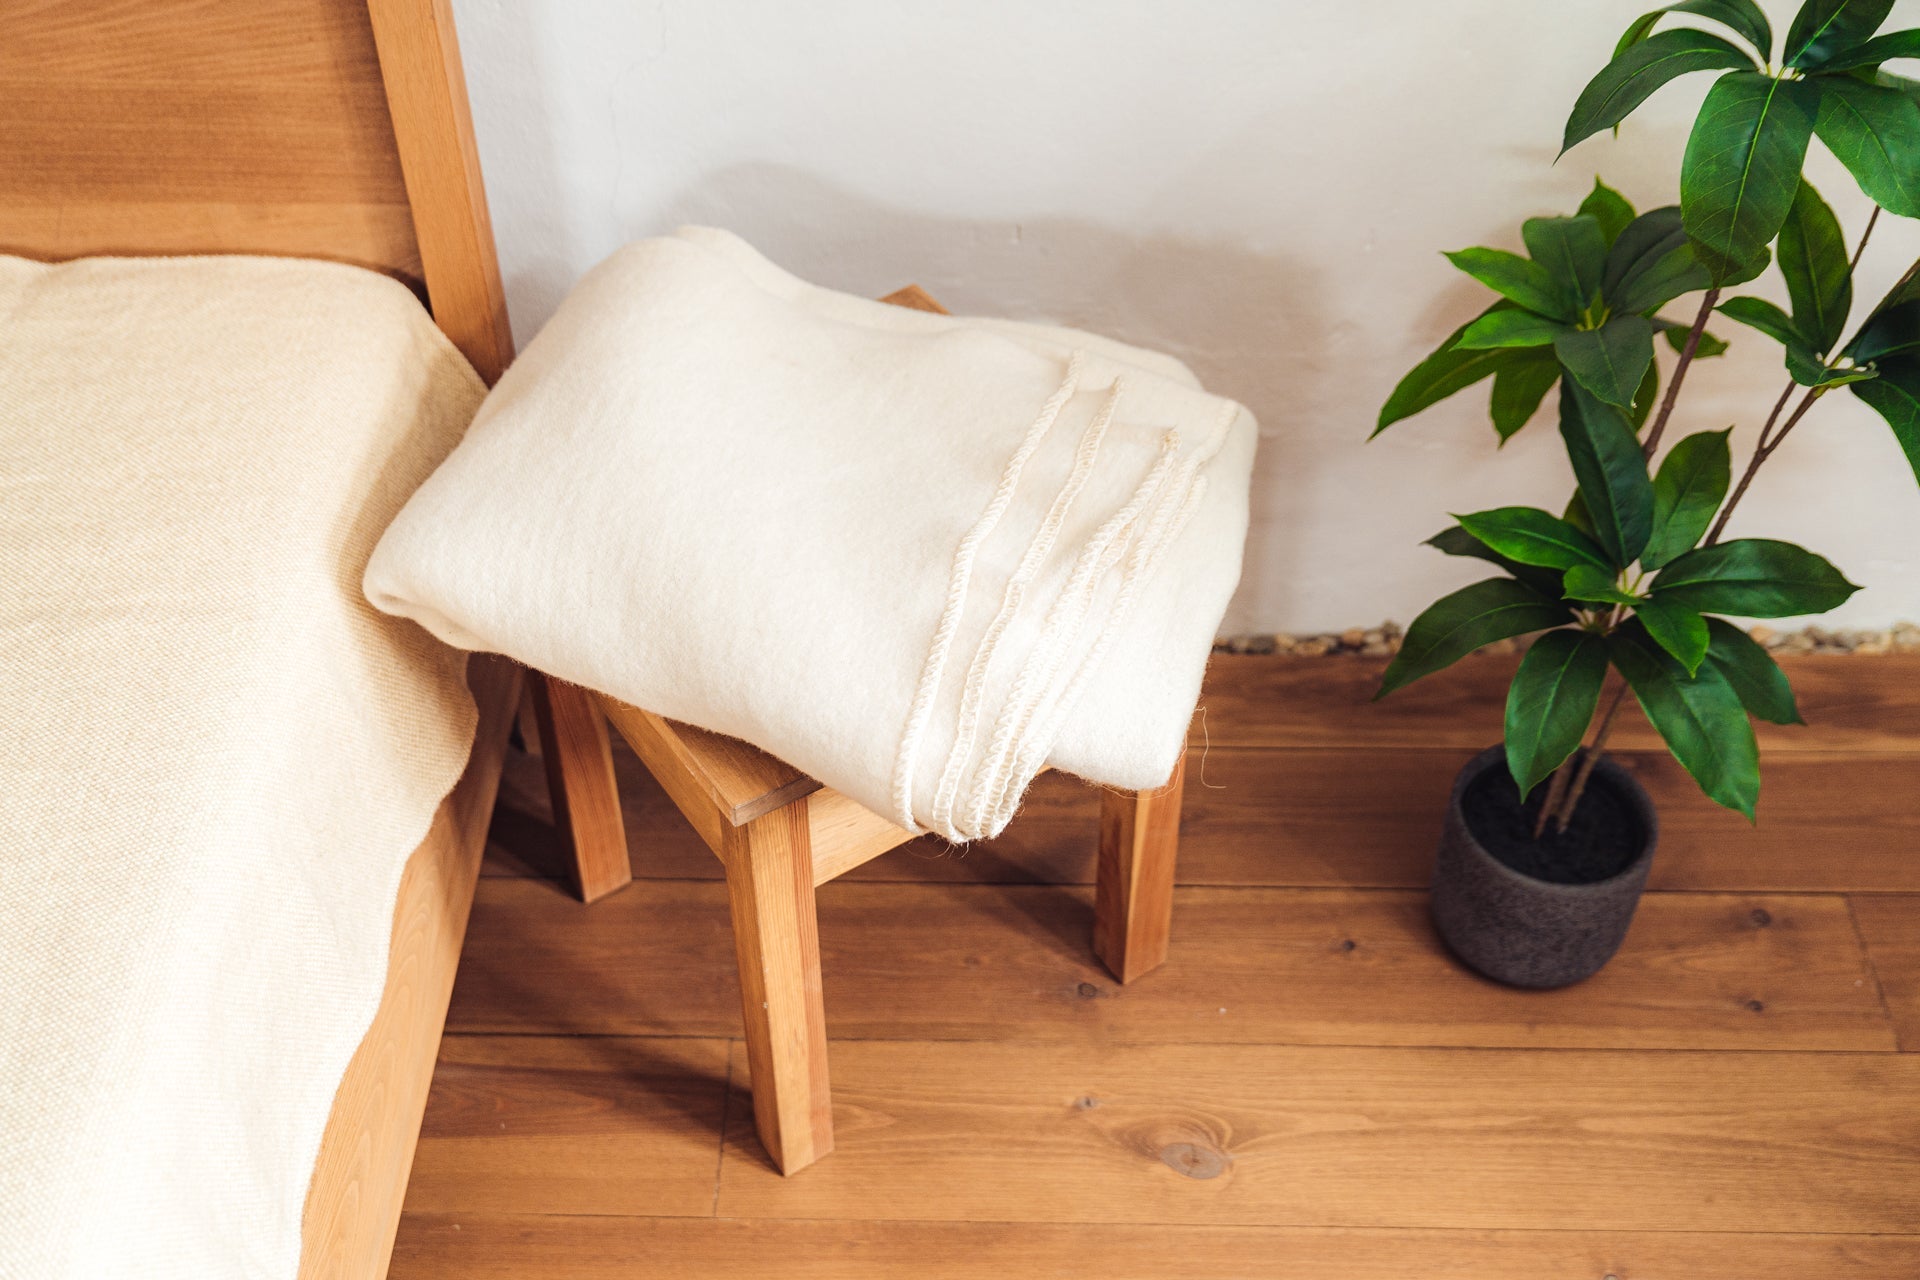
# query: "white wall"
{"type": "Point", "coordinates": [1261, 187]}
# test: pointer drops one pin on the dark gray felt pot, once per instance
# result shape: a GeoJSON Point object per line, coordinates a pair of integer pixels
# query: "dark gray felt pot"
{"type": "Point", "coordinates": [1528, 932]}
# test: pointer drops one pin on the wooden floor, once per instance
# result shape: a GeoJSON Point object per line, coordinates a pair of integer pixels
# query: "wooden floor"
{"type": "Point", "coordinates": [1311, 1088]}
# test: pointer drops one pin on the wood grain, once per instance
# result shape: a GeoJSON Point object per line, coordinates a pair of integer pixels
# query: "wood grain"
{"type": "Point", "coordinates": [353, 1202]}
{"type": "Point", "coordinates": [138, 127]}
{"type": "Point", "coordinates": [1346, 793]}
{"type": "Point", "coordinates": [1250, 966]}
{"type": "Point", "coordinates": [715, 780]}
{"type": "Point", "coordinates": [577, 753]}
{"type": "Point", "coordinates": [1850, 704]}
{"type": "Point", "coordinates": [777, 946]}
{"type": "Point", "coordinates": [470, 1246]}
{"type": "Point", "coordinates": [1890, 927]}
{"type": "Point", "coordinates": [426, 92]}
{"type": "Point", "coordinates": [1422, 1138]}
{"type": "Point", "coordinates": [1133, 882]}
{"type": "Point", "coordinates": [575, 1124]}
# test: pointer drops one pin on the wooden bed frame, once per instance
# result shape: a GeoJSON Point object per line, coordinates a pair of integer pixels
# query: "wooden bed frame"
{"type": "Point", "coordinates": [306, 128]}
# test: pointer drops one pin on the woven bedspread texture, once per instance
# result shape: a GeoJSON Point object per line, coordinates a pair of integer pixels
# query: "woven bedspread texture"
{"type": "Point", "coordinates": [216, 757]}
{"type": "Point", "coordinates": [920, 557]}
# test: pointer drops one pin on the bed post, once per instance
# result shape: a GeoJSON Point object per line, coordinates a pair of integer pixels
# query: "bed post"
{"type": "Point", "coordinates": [427, 98]}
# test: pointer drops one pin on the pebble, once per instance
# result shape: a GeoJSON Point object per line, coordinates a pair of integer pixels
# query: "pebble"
{"type": "Point", "coordinates": [1384, 640]}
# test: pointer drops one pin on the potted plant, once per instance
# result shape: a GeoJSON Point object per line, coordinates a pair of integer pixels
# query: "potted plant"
{"type": "Point", "coordinates": [1546, 843]}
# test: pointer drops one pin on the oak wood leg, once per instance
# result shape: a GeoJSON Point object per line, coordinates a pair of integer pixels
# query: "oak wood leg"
{"type": "Point", "coordinates": [1133, 887]}
{"type": "Point", "coordinates": [586, 804]}
{"type": "Point", "coordinates": [769, 865]}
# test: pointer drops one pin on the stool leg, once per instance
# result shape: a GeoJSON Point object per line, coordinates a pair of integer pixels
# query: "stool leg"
{"type": "Point", "coordinates": [1133, 887]}
{"type": "Point", "coordinates": [776, 937]}
{"type": "Point", "coordinates": [586, 803]}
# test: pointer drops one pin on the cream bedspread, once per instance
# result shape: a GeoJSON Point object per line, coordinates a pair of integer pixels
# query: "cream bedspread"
{"type": "Point", "coordinates": [215, 758]}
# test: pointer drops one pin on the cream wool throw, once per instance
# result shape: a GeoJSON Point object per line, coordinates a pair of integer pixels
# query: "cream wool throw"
{"type": "Point", "coordinates": [215, 756]}
{"type": "Point", "coordinates": [919, 557]}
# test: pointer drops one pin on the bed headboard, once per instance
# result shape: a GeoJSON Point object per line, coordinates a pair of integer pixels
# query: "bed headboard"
{"type": "Point", "coordinates": [306, 128]}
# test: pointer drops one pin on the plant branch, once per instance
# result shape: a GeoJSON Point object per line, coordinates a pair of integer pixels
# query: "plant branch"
{"type": "Point", "coordinates": [1680, 371]}
{"type": "Point", "coordinates": [1769, 439]}
{"type": "Point", "coordinates": [1589, 757]}
{"type": "Point", "coordinates": [1556, 788]}
{"type": "Point", "coordinates": [1865, 236]}
{"type": "Point", "coordinates": [1762, 450]}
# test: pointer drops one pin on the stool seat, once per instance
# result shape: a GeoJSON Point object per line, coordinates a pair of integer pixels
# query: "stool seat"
{"type": "Point", "coordinates": [779, 834]}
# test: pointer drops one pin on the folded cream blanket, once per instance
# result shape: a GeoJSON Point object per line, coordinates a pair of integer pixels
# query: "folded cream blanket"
{"type": "Point", "coordinates": [919, 557]}
{"type": "Point", "coordinates": [215, 757]}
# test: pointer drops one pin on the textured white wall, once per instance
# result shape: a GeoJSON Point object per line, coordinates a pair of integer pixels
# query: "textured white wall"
{"type": "Point", "coordinates": [1262, 188]}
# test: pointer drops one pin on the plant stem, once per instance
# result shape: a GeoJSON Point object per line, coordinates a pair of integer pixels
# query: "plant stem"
{"type": "Point", "coordinates": [1762, 450]}
{"type": "Point", "coordinates": [1680, 371]}
{"type": "Point", "coordinates": [1865, 235]}
{"type": "Point", "coordinates": [1556, 788]}
{"type": "Point", "coordinates": [1769, 440]}
{"type": "Point", "coordinates": [1589, 757]}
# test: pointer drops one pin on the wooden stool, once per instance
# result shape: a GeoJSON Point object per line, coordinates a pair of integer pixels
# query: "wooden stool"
{"type": "Point", "coordinates": [779, 834]}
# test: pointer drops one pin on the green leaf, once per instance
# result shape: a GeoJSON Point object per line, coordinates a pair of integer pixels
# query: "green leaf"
{"type": "Point", "coordinates": [1887, 332]}
{"type": "Point", "coordinates": [1657, 281]}
{"type": "Point", "coordinates": [1806, 369]}
{"type": "Point", "coordinates": [1756, 678]}
{"type": "Point", "coordinates": [1612, 473]}
{"type": "Point", "coordinates": [1676, 333]}
{"type": "Point", "coordinates": [1644, 398]}
{"type": "Point", "coordinates": [1895, 396]}
{"type": "Point", "coordinates": [1608, 208]}
{"type": "Point", "coordinates": [1509, 328]}
{"type": "Point", "coordinates": [1457, 624]}
{"type": "Point", "coordinates": [1640, 243]}
{"type": "Point", "coordinates": [1700, 717]}
{"type": "Point", "coordinates": [1813, 258]}
{"type": "Point", "coordinates": [1456, 541]}
{"type": "Point", "coordinates": [1893, 325]}
{"type": "Point", "coordinates": [1874, 131]}
{"type": "Point", "coordinates": [1760, 314]}
{"type": "Point", "coordinates": [1742, 167]}
{"type": "Point", "coordinates": [1632, 77]}
{"type": "Point", "coordinates": [1532, 536]}
{"type": "Point", "coordinates": [1573, 250]}
{"type": "Point", "coordinates": [1805, 366]}
{"type": "Point", "coordinates": [1515, 278]}
{"type": "Point", "coordinates": [1609, 361]}
{"type": "Point", "coordinates": [1823, 29]}
{"type": "Point", "coordinates": [1551, 702]}
{"type": "Point", "coordinates": [1520, 386]}
{"type": "Point", "coordinates": [1447, 370]}
{"type": "Point", "coordinates": [1589, 585]}
{"type": "Point", "coordinates": [1679, 630]}
{"type": "Point", "coordinates": [1894, 44]}
{"type": "Point", "coordinates": [1687, 492]}
{"type": "Point", "coordinates": [1637, 30]}
{"type": "Point", "coordinates": [1753, 578]}
{"type": "Point", "coordinates": [1743, 16]}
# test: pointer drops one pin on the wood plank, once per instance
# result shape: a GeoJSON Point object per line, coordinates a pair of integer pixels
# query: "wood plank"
{"type": "Point", "coordinates": [426, 90]}
{"type": "Point", "coordinates": [529, 1247]}
{"type": "Point", "coordinates": [1851, 704]}
{"type": "Point", "coordinates": [846, 834]}
{"type": "Point", "coordinates": [1133, 880]}
{"type": "Point", "coordinates": [1424, 1138]}
{"type": "Point", "coordinates": [210, 128]}
{"type": "Point", "coordinates": [1248, 966]}
{"type": "Point", "coordinates": [777, 953]}
{"type": "Point", "coordinates": [573, 1124]}
{"type": "Point", "coordinates": [1829, 822]}
{"type": "Point", "coordinates": [353, 1201]}
{"type": "Point", "coordinates": [577, 751]}
{"type": "Point", "coordinates": [1890, 927]}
